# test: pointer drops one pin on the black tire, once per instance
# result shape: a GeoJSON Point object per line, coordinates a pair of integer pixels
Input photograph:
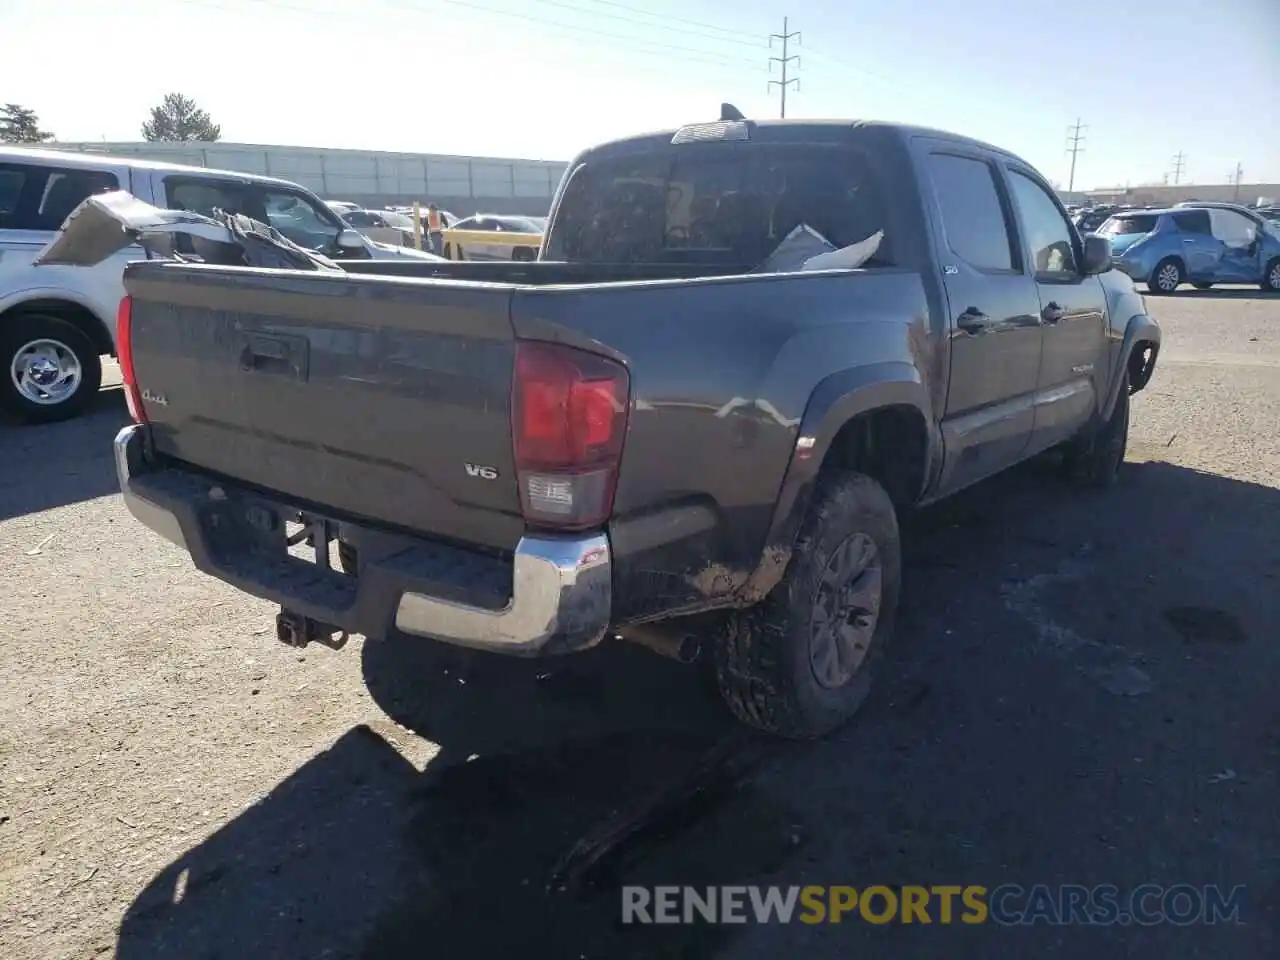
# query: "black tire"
{"type": "Point", "coordinates": [1095, 461]}
{"type": "Point", "coordinates": [1203, 286]}
{"type": "Point", "coordinates": [15, 334]}
{"type": "Point", "coordinates": [1271, 277]}
{"type": "Point", "coordinates": [764, 662]}
{"type": "Point", "coordinates": [524, 254]}
{"type": "Point", "coordinates": [1165, 271]}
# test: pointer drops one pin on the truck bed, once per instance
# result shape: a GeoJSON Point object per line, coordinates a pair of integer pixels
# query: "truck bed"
{"type": "Point", "coordinates": [387, 399]}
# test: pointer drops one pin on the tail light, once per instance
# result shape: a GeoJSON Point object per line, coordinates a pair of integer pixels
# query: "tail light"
{"type": "Point", "coordinates": [124, 354]}
{"type": "Point", "coordinates": [569, 418]}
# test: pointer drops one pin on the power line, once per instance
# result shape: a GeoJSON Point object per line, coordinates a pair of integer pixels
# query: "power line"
{"type": "Point", "coordinates": [591, 31]}
{"type": "Point", "coordinates": [702, 24]}
{"type": "Point", "coordinates": [1179, 164]}
{"type": "Point", "coordinates": [653, 26]}
{"type": "Point", "coordinates": [1075, 137]}
{"type": "Point", "coordinates": [786, 61]}
{"type": "Point", "coordinates": [633, 43]}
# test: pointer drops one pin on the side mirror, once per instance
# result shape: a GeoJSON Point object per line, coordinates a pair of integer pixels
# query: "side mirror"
{"type": "Point", "coordinates": [350, 240]}
{"type": "Point", "coordinates": [1097, 255]}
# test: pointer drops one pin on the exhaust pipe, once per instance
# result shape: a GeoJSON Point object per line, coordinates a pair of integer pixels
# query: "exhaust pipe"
{"type": "Point", "coordinates": [672, 643]}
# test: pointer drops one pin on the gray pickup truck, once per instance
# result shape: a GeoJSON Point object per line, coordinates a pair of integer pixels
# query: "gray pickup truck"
{"type": "Point", "coordinates": [642, 425]}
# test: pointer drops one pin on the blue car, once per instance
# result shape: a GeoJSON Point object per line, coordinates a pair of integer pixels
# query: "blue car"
{"type": "Point", "coordinates": [1197, 245]}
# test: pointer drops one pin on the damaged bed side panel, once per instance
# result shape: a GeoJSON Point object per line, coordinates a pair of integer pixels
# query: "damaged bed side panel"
{"type": "Point", "coordinates": [722, 372]}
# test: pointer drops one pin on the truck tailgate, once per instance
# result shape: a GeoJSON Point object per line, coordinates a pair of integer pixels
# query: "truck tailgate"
{"type": "Point", "coordinates": [387, 400]}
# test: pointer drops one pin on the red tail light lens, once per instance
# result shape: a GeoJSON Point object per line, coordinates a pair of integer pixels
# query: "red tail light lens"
{"type": "Point", "coordinates": [569, 418]}
{"type": "Point", "coordinates": [124, 355]}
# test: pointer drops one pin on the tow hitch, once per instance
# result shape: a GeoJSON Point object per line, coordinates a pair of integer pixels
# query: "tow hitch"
{"type": "Point", "coordinates": [297, 631]}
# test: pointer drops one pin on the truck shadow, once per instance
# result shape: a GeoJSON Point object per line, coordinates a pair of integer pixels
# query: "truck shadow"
{"type": "Point", "coordinates": [51, 465]}
{"type": "Point", "coordinates": [1223, 293]}
{"type": "Point", "coordinates": [557, 782]}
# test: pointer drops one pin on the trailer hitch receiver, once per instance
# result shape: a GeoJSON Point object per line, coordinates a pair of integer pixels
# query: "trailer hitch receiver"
{"type": "Point", "coordinates": [297, 630]}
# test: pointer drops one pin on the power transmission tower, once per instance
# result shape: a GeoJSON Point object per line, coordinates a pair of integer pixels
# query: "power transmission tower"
{"type": "Point", "coordinates": [1235, 177]}
{"type": "Point", "coordinates": [786, 62]}
{"type": "Point", "coordinates": [1075, 137]}
{"type": "Point", "coordinates": [1179, 163]}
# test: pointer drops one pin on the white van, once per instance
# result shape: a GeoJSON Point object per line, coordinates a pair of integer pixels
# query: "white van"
{"type": "Point", "coordinates": [56, 322]}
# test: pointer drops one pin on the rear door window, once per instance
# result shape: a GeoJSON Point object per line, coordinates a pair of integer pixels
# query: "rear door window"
{"type": "Point", "coordinates": [35, 197]}
{"type": "Point", "coordinates": [717, 204]}
{"type": "Point", "coordinates": [11, 181]}
{"type": "Point", "coordinates": [973, 217]}
{"type": "Point", "coordinates": [1128, 225]}
{"type": "Point", "coordinates": [1193, 221]}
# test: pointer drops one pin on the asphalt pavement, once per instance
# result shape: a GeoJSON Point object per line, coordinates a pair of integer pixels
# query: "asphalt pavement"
{"type": "Point", "coordinates": [1081, 692]}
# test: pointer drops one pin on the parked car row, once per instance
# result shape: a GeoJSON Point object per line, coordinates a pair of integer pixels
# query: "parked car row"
{"type": "Point", "coordinates": [482, 236]}
{"type": "Point", "coordinates": [56, 322]}
{"type": "Point", "coordinates": [492, 237]}
{"type": "Point", "coordinates": [1196, 242]}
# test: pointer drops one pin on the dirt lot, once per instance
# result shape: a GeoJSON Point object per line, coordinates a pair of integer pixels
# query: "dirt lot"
{"type": "Point", "coordinates": [1083, 690]}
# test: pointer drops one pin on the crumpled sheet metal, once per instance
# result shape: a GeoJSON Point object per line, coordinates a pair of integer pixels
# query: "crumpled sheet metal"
{"type": "Point", "coordinates": [107, 223]}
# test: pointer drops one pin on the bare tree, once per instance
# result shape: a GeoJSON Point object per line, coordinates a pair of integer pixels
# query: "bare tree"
{"type": "Point", "coordinates": [178, 118]}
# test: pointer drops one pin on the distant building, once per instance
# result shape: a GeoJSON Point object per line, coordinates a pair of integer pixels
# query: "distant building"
{"type": "Point", "coordinates": [463, 185]}
{"type": "Point", "coordinates": [1161, 195]}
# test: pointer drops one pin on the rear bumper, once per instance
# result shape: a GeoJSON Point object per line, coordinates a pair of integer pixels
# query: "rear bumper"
{"type": "Point", "coordinates": [554, 595]}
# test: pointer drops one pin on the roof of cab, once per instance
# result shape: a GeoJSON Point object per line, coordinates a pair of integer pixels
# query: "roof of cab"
{"type": "Point", "coordinates": [85, 160]}
{"type": "Point", "coordinates": [782, 131]}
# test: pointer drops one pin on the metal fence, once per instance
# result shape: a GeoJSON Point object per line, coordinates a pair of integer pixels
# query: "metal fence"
{"type": "Point", "coordinates": [462, 184]}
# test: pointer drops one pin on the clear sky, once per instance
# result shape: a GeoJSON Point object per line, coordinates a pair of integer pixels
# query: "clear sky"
{"type": "Point", "coordinates": [544, 78]}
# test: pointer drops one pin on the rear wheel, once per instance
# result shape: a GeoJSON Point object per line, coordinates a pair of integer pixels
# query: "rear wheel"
{"type": "Point", "coordinates": [1166, 277]}
{"type": "Point", "coordinates": [51, 368]}
{"type": "Point", "coordinates": [1271, 277]}
{"type": "Point", "coordinates": [801, 662]}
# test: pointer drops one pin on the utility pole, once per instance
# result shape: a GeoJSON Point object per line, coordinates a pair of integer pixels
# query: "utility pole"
{"type": "Point", "coordinates": [1075, 137]}
{"type": "Point", "coordinates": [786, 62]}
{"type": "Point", "coordinates": [1235, 177]}
{"type": "Point", "coordinates": [1179, 163]}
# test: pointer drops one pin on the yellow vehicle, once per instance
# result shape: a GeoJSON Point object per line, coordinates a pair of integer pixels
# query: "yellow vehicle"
{"type": "Point", "coordinates": [491, 237]}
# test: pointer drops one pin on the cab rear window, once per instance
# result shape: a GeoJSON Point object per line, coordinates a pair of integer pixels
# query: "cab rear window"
{"type": "Point", "coordinates": [727, 204]}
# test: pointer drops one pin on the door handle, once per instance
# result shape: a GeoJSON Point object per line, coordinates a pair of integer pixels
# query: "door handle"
{"type": "Point", "coordinates": [1188, 240]}
{"type": "Point", "coordinates": [1052, 313]}
{"type": "Point", "coordinates": [973, 321]}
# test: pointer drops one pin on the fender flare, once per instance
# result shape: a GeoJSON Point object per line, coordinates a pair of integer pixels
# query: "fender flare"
{"type": "Point", "coordinates": [21, 297]}
{"type": "Point", "coordinates": [1140, 329]}
{"type": "Point", "coordinates": [835, 401]}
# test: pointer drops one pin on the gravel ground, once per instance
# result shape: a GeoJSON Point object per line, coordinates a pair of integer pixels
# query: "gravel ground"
{"type": "Point", "coordinates": [1082, 691]}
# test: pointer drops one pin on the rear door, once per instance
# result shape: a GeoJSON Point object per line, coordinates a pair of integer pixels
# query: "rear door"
{"type": "Point", "coordinates": [1201, 250]}
{"type": "Point", "coordinates": [993, 316]}
{"type": "Point", "coordinates": [35, 197]}
{"type": "Point", "coordinates": [1073, 312]}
